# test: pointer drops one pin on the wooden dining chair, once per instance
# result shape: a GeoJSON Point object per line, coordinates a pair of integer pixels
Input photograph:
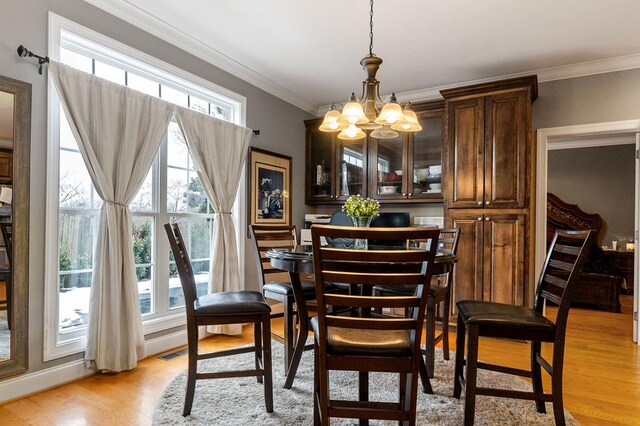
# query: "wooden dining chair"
{"type": "Point", "coordinates": [229, 307]}
{"type": "Point", "coordinates": [438, 306]}
{"type": "Point", "coordinates": [366, 343]}
{"type": "Point", "coordinates": [560, 274]}
{"type": "Point", "coordinates": [6, 271]}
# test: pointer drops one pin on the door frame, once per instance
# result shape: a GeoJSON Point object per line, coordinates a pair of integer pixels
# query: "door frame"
{"type": "Point", "coordinates": [556, 138]}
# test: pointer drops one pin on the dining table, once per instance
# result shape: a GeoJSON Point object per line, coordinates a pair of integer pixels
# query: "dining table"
{"type": "Point", "coordinates": [299, 260]}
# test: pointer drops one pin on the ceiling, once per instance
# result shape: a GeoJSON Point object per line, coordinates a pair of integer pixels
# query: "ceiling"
{"type": "Point", "coordinates": [308, 52]}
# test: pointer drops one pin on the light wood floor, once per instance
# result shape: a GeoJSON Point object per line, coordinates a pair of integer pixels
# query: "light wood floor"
{"type": "Point", "coordinates": [602, 379]}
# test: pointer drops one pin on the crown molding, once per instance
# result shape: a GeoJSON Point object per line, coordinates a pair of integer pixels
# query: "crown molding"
{"type": "Point", "coordinates": [139, 18]}
{"type": "Point", "coordinates": [136, 16]}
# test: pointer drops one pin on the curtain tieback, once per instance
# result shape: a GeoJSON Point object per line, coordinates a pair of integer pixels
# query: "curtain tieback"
{"type": "Point", "coordinates": [222, 213]}
{"type": "Point", "coordinates": [116, 204]}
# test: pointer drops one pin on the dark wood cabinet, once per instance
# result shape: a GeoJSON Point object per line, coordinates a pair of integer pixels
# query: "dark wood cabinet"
{"type": "Point", "coordinates": [624, 261]}
{"type": "Point", "coordinates": [6, 167]}
{"type": "Point", "coordinates": [490, 256]}
{"type": "Point", "coordinates": [488, 154]}
{"type": "Point", "coordinates": [389, 170]}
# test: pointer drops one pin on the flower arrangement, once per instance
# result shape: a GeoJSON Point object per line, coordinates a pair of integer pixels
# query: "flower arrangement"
{"type": "Point", "coordinates": [358, 207]}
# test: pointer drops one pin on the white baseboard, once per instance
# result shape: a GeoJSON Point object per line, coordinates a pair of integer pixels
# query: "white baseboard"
{"type": "Point", "coordinates": [30, 383]}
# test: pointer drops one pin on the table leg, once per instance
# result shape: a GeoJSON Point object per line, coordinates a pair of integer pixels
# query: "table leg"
{"type": "Point", "coordinates": [303, 318]}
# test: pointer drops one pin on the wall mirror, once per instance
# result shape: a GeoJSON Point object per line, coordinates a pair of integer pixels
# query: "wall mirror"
{"type": "Point", "coordinates": [15, 140]}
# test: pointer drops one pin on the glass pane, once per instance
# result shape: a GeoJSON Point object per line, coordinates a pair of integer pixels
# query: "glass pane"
{"type": "Point", "coordinates": [220, 112]}
{"type": "Point", "coordinates": [427, 157]}
{"type": "Point", "coordinates": [199, 105]}
{"type": "Point", "coordinates": [143, 85]}
{"type": "Point", "coordinates": [75, 183]}
{"type": "Point", "coordinates": [110, 73]}
{"type": "Point", "coordinates": [177, 152]}
{"type": "Point", "coordinates": [174, 96]}
{"type": "Point", "coordinates": [77, 234]}
{"type": "Point", "coordinates": [142, 237]}
{"type": "Point", "coordinates": [197, 201]}
{"type": "Point", "coordinates": [76, 60]}
{"type": "Point", "coordinates": [144, 198]}
{"type": "Point", "coordinates": [321, 165]}
{"type": "Point", "coordinates": [177, 190]}
{"type": "Point", "coordinates": [351, 173]}
{"type": "Point", "coordinates": [197, 236]}
{"type": "Point", "coordinates": [389, 163]}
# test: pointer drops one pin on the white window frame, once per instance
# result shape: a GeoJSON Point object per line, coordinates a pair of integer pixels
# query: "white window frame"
{"type": "Point", "coordinates": [148, 67]}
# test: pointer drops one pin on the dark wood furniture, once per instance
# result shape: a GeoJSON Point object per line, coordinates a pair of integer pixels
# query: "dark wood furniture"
{"type": "Point", "coordinates": [560, 273]}
{"type": "Point", "coordinates": [6, 166]}
{"type": "Point", "coordinates": [362, 343]}
{"type": "Point", "coordinates": [232, 307]}
{"type": "Point", "coordinates": [601, 280]}
{"type": "Point", "coordinates": [392, 170]}
{"type": "Point", "coordinates": [489, 154]}
{"type": "Point", "coordinates": [623, 260]}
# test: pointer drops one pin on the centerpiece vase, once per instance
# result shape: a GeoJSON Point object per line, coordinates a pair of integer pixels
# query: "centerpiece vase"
{"type": "Point", "coordinates": [361, 222]}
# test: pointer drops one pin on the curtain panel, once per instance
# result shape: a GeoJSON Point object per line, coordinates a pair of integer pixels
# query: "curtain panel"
{"type": "Point", "coordinates": [118, 131]}
{"type": "Point", "coordinates": [218, 149]}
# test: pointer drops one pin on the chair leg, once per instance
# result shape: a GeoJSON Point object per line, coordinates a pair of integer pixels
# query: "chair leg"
{"type": "Point", "coordinates": [536, 370]}
{"type": "Point", "coordinates": [403, 396]}
{"type": "Point", "coordinates": [556, 384]}
{"type": "Point", "coordinates": [363, 392]}
{"type": "Point", "coordinates": [323, 387]}
{"type": "Point", "coordinates": [192, 342]}
{"type": "Point", "coordinates": [316, 385]}
{"type": "Point", "coordinates": [297, 353]}
{"type": "Point", "coordinates": [471, 376]}
{"type": "Point", "coordinates": [257, 338]}
{"type": "Point", "coordinates": [430, 352]}
{"type": "Point", "coordinates": [424, 377]}
{"type": "Point", "coordinates": [8, 291]}
{"type": "Point", "coordinates": [457, 375]}
{"type": "Point", "coordinates": [446, 309]}
{"type": "Point", "coordinates": [266, 362]}
{"type": "Point", "coordinates": [289, 332]}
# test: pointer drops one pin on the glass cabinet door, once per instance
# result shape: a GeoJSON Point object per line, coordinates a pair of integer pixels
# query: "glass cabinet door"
{"type": "Point", "coordinates": [389, 156]}
{"type": "Point", "coordinates": [426, 159]}
{"type": "Point", "coordinates": [320, 166]}
{"type": "Point", "coordinates": [352, 168]}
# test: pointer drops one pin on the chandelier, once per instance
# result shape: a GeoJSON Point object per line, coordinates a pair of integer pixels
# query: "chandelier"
{"type": "Point", "coordinates": [370, 112]}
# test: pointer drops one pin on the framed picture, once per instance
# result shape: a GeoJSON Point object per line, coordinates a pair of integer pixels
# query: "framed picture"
{"type": "Point", "coordinates": [269, 188]}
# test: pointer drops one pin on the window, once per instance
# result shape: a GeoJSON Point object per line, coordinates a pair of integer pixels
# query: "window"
{"type": "Point", "coordinates": [171, 192]}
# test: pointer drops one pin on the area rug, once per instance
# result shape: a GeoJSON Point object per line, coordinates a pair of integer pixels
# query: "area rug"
{"type": "Point", "coordinates": [240, 401]}
{"type": "Point", "coordinates": [5, 337]}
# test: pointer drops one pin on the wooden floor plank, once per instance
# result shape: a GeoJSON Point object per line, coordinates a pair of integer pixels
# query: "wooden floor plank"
{"type": "Point", "coordinates": [602, 378]}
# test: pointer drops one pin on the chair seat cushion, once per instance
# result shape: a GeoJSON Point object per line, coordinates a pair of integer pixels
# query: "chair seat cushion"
{"type": "Point", "coordinates": [501, 315]}
{"type": "Point", "coordinates": [285, 289]}
{"type": "Point", "coordinates": [232, 303]}
{"type": "Point", "coordinates": [348, 341]}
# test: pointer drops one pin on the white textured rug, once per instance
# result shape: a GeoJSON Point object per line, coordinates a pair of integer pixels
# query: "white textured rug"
{"type": "Point", "coordinates": [239, 401]}
{"type": "Point", "coordinates": [5, 336]}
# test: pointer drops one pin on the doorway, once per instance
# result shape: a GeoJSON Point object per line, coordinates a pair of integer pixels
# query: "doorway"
{"type": "Point", "coordinates": [585, 136]}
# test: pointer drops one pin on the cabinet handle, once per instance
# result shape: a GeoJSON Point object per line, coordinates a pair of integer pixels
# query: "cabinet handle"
{"type": "Point", "coordinates": [487, 203]}
{"type": "Point", "coordinates": [479, 218]}
{"type": "Point", "coordinates": [479, 203]}
{"type": "Point", "coordinates": [404, 194]}
{"type": "Point", "coordinates": [410, 194]}
{"type": "Point", "coordinates": [486, 218]}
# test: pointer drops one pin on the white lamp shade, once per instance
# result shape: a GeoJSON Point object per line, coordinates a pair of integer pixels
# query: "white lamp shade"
{"type": "Point", "coordinates": [330, 122]}
{"type": "Point", "coordinates": [352, 113]}
{"type": "Point", "coordinates": [410, 122]}
{"type": "Point", "coordinates": [384, 132]}
{"type": "Point", "coordinates": [351, 133]}
{"type": "Point", "coordinates": [391, 114]}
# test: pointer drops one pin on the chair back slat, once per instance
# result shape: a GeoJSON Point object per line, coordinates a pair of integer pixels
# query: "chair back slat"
{"type": "Point", "coordinates": [561, 271]}
{"type": "Point", "coordinates": [368, 268]}
{"type": "Point", "coordinates": [183, 264]}
{"type": "Point", "coordinates": [265, 238]}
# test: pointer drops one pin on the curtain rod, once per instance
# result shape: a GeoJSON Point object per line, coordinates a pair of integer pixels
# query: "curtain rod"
{"type": "Point", "coordinates": [23, 52]}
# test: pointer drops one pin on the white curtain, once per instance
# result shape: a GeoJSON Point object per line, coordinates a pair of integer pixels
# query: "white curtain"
{"type": "Point", "coordinates": [218, 149]}
{"type": "Point", "coordinates": [118, 131]}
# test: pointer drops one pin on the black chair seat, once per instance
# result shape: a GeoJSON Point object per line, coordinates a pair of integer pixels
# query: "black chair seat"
{"type": "Point", "coordinates": [503, 315]}
{"type": "Point", "coordinates": [347, 341]}
{"type": "Point", "coordinates": [285, 289]}
{"type": "Point", "coordinates": [232, 303]}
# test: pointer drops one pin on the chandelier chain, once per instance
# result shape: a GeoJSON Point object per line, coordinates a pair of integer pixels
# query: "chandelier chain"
{"type": "Point", "coordinates": [371, 29]}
